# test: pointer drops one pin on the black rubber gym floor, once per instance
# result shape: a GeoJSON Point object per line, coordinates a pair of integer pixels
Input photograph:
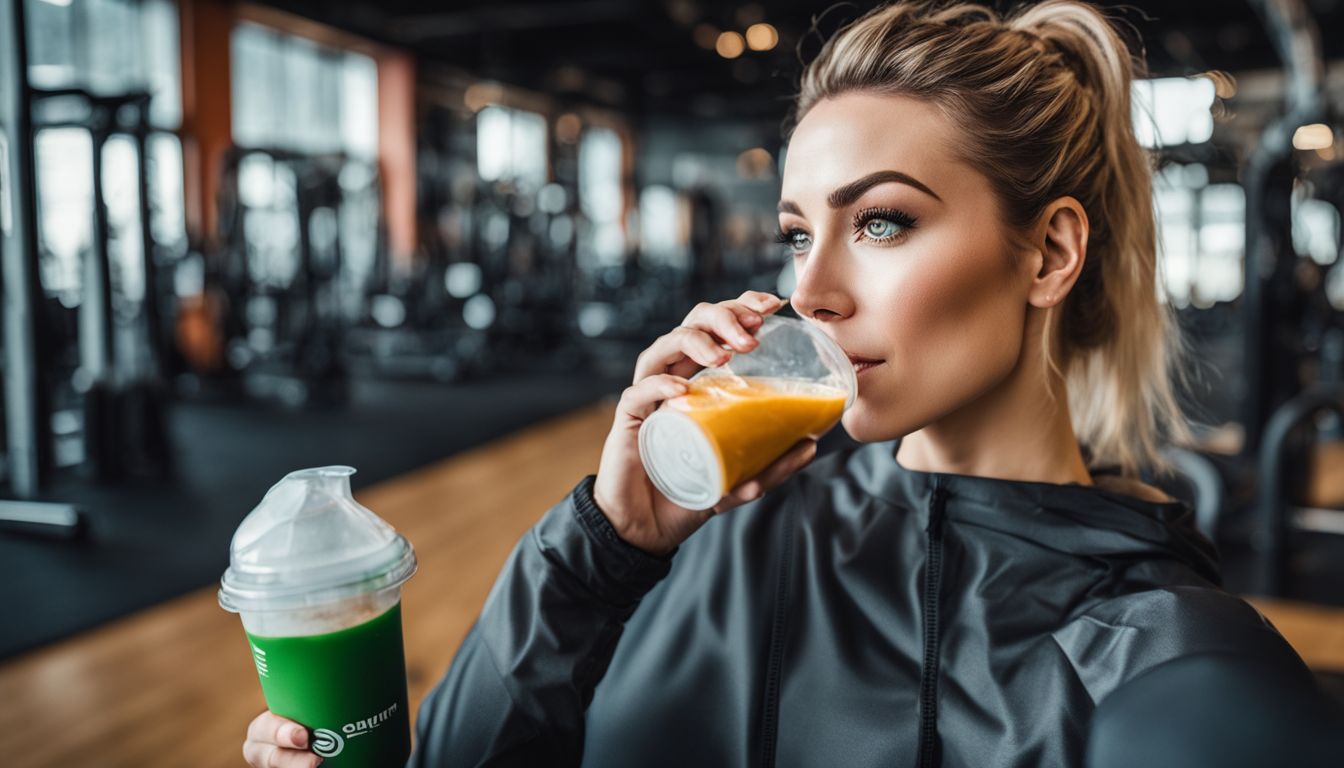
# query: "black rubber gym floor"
{"type": "Point", "coordinates": [150, 541]}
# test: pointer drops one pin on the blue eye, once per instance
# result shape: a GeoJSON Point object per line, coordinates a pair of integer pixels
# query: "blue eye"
{"type": "Point", "coordinates": [883, 225]}
{"type": "Point", "coordinates": [880, 229]}
{"type": "Point", "coordinates": [796, 239]}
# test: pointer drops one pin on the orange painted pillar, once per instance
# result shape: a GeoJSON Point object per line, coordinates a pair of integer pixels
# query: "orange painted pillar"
{"type": "Point", "coordinates": [396, 153]}
{"type": "Point", "coordinates": [207, 127]}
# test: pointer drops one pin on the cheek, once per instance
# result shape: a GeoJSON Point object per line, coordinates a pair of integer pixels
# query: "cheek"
{"type": "Point", "coordinates": [953, 328]}
{"type": "Point", "coordinates": [955, 306]}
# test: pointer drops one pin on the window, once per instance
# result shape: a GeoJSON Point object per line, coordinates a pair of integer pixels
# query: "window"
{"type": "Point", "coordinates": [662, 235]}
{"type": "Point", "coordinates": [511, 145]}
{"type": "Point", "coordinates": [1201, 236]}
{"type": "Point", "coordinates": [1169, 111]}
{"type": "Point", "coordinates": [600, 196]}
{"type": "Point", "coordinates": [1315, 224]}
{"type": "Point", "coordinates": [291, 93]}
{"type": "Point", "coordinates": [65, 208]}
{"type": "Point", "coordinates": [107, 47]}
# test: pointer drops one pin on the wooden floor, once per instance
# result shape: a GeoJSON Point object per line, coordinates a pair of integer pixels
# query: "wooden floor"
{"type": "Point", "coordinates": [174, 685]}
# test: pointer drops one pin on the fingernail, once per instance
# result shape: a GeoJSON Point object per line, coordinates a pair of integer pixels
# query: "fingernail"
{"type": "Point", "coordinates": [752, 320]}
{"type": "Point", "coordinates": [298, 736]}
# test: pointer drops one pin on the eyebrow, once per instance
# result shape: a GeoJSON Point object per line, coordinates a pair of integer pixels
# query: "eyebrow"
{"type": "Point", "coordinates": [852, 191]}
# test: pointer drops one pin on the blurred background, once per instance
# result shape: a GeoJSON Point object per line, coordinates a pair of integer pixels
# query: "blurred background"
{"type": "Point", "coordinates": [242, 238]}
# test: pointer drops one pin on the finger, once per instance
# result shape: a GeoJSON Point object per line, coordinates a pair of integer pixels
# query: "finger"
{"type": "Point", "coordinates": [282, 757]}
{"type": "Point", "coordinates": [798, 457]}
{"type": "Point", "coordinates": [642, 399]}
{"type": "Point", "coordinates": [727, 321]}
{"type": "Point", "coordinates": [291, 758]}
{"type": "Point", "coordinates": [679, 350]}
{"type": "Point", "coordinates": [270, 756]}
{"type": "Point", "coordinates": [270, 728]}
{"type": "Point", "coordinates": [765, 303]}
{"type": "Point", "coordinates": [771, 477]}
{"type": "Point", "coordinates": [257, 754]}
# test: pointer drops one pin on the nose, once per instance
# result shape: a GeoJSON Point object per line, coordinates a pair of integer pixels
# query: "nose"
{"type": "Point", "coordinates": [821, 291]}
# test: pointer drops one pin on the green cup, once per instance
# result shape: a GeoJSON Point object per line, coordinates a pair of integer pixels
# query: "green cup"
{"type": "Point", "coordinates": [316, 578]}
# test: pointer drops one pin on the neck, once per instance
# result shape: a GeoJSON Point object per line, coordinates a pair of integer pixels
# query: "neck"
{"type": "Point", "coordinates": [1015, 431]}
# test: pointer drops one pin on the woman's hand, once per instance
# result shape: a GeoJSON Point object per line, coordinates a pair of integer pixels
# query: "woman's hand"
{"type": "Point", "coordinates": [640, 514]}
{"type": "Point", "coordinates": [274, 742]}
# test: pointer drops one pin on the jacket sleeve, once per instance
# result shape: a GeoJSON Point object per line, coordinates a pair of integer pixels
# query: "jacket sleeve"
{"type": "Point", "coordinates": [518, 687]}
{"type": "Point", "coordinates": [1219, 710]}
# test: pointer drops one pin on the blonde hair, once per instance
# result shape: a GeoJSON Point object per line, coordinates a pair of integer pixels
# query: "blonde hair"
{"type": "Point", "coordinates": [1041, 96]}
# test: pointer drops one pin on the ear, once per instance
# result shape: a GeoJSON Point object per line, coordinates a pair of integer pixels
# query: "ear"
{"type": "Point", "coordinates": [1061, 241]}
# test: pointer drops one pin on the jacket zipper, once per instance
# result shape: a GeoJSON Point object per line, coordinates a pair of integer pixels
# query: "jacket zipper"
{"type": "Point", "coordinates": [770, 715]}
{"type": "Point", "coordinates": [930, 752]}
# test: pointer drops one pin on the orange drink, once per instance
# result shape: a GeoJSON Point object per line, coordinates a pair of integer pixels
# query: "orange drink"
{"type": "Point", "coordinates": [753, 421]}
{"type": "Point", "coordinates": [734, 421]}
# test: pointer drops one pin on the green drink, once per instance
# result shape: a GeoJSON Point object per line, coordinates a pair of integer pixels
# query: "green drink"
{"type": "Point", "coordinates": [317, 579]}
{"type": "Point", "coordinates": [296, 676]}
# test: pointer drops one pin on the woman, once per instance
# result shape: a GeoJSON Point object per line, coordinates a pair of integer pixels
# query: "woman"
{"type": "Point", "coordinates": [970, 218]}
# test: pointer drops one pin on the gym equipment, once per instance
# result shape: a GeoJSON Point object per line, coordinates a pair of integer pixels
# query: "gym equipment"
{"type": "Point", "coordinates": [290, 291]}
{"type": "Point", "coordinates": [414, 326]}
{"type": "Point", "coordinates": [1269, 295]}
{"type": "Point", "coordinates": [494, 286]}
{"type": "Point", "coordinates": [1289, 439]}
{"type": "Point", "coordinates": [22, 354]}
{"type": "Point", "coordinates": [117, 392]}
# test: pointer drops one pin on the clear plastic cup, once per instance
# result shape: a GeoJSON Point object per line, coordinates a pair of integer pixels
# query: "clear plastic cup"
{"type": "Point", "coordinates": [316, 578]}
{"type": "Point", "coordinates": [739, 417]}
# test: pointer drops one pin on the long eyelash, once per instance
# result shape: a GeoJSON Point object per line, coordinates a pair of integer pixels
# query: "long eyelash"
{"type": "Point", "coordinates": [785, 236]}
{"type": "Point", "coordinates": [890, 214]}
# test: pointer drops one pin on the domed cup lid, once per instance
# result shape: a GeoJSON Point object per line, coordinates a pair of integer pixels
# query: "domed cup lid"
{"type": "Point", "coordinates": [309, 542]}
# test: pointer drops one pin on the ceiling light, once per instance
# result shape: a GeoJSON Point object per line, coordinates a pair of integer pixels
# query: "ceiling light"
{"type": "Point", "coordinates": [730, 45]}
{"type": "Point", "coordinates": [1314, 136]}
{"type": "Point", "coordinates": [762, 37]}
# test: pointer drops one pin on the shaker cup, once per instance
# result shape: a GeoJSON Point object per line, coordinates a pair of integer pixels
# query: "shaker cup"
{"type": "Point", "coordinates": [736, 419]}
{"type": "Point", "coordinates": [316, 578]}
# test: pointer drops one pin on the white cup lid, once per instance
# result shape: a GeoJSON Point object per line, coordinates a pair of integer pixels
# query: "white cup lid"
{"type": "Point", "coordinates": [310, 542]}
{"type": "Point", "coordinates": [680, 460]}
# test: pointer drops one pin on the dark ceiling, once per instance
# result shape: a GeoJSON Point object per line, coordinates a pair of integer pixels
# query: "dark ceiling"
{"type": "Point", "coordinates": [640, 56]}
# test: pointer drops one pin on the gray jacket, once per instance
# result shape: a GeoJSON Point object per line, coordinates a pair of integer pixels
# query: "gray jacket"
{"type": "Point", "coordinates": [861, 614]}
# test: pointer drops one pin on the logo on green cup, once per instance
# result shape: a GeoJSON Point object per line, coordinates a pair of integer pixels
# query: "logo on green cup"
{"type": "Point", "coordinates": [327, 743]}
{"type": "Point", "coordinates": [361, 727]}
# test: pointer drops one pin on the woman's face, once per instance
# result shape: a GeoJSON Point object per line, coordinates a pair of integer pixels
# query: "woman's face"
{"type": "Point", "coordinates": [900, 258]}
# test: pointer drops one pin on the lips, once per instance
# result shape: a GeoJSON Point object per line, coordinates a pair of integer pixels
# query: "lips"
{"type": "Point", "coordinates": [862, 364]}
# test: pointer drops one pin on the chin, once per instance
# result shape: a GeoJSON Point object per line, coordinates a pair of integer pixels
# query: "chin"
{"type": "Point", "coordinates": [863, 427]}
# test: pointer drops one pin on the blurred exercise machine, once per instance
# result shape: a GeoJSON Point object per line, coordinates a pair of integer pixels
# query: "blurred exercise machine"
{"type": "Point", "coordinates": [492, 286]}
{"type": "Point", "coordinates": [26, 443]}
{"type": "Point", "coordinates": [1282, 405]}
{"type": "Point", "coordinates": [289, 291]}
{"type": "Point", "coordinates": [109, 369]}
